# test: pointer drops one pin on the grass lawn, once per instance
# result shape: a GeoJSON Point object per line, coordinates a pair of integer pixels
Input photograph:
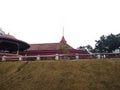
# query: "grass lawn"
{"type": "Point", "coordinates": [91, 74]}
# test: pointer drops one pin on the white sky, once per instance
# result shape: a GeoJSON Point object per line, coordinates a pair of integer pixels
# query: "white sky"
{"type": "Point", "coordinates": [42, 21]}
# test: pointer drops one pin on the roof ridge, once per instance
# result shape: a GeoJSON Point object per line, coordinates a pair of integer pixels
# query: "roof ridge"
{"type": "Point", "coordinates": [42, 43]}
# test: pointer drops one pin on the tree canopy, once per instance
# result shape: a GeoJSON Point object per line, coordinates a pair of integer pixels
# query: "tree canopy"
{"type": "Point", "coordinates": [87, 48]}
{"type": "Point", "coordinates": [107, 44]}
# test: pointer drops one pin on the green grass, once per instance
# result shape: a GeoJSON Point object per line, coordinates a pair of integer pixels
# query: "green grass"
{"type": "Point", "coordinates": [60, 75]}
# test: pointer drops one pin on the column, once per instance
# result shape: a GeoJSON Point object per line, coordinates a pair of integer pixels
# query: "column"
{"type": "Point", "coordinates": [20, 58]}
{"type": "Point", "coordinates": [56, 57]}
{"type": "Point", "coordinates": [38, 57]}
{"type": "Point", "coordinates": [76, 56]}
{"type": "Point", "coordinates": [98, 56]}
{"type": "Point", "coordinates": [3, 58]}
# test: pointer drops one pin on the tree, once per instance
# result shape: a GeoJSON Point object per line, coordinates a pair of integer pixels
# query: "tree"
{"type": "Point", "coordinates": [100, 45]}
{"type": "Point", "coordinates": [88, 48]}
{"type": "Point", "coordinates": [81, 48]}
{"type": "Point", "coordinates": [107, 43]}
{"type": "Point", "coordinates": [64, 48]}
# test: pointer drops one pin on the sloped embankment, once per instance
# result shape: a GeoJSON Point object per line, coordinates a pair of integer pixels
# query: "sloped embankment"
{"type": "Point", "coordinates": [60, 75]}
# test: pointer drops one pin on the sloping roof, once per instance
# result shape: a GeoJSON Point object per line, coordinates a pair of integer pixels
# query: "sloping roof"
{"type": "Point", "coordinates": [10, 43]}
{"type": "Point", "coordinates": [47, 46]}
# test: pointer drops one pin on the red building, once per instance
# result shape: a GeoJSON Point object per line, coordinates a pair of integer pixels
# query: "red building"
{"type": "Point", "coordinates": [60, 48]}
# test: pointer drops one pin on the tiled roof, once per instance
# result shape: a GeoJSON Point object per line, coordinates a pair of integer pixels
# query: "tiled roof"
{"type": "Point", "coordinates": [50, 46]}
{"type": "Point", "coordinates": [47, 46]}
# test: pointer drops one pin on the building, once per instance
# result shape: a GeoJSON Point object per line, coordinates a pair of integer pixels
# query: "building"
{"type": "Point", "coordinates": [60, 48]}
{"type": "Point", "coordinates": [9, 45]}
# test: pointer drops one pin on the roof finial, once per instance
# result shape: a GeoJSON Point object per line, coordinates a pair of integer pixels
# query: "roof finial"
{"type": "Point", "coordinates": [63, 41]}
{"type": "Point", "coordinates": [63, 30]}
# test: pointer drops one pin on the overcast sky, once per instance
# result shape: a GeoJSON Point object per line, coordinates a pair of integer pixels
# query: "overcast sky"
{"type": "Point", "coordinates": [42, 21]}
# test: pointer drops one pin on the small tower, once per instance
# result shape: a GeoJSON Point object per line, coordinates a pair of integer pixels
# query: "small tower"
{"type": "Point", "coordinates": [63, 41]}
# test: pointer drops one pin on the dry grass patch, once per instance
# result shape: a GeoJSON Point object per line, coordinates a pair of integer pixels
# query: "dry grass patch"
{"type": "Point", "coordinates": [60, 75]}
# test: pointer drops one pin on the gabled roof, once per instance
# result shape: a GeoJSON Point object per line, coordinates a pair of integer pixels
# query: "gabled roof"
{"type": "Point", "coordinates": [48, 46]}
{"type": "Point", "coordinates": [51, 46]}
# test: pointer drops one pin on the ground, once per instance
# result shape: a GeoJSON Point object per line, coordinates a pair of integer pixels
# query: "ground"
{"type": "Point", "coordinates": [93, 74]}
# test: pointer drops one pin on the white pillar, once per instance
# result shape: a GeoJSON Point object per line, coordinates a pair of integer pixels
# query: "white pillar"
{"type": "Point", "coordinates": [56, 57]}
{"type": "Point", "coordinates": [38, 57]}
{"type": "Point", "coordinates": [104, 56]}
{"type": "Point", "coordinates": [20, 58]}
{"type": "Point", "coordinates": [98, 56]}
{"type": "Point", "coordinates": [3, 58]}
{"type": "Point", "coordinates": [76, 56]}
